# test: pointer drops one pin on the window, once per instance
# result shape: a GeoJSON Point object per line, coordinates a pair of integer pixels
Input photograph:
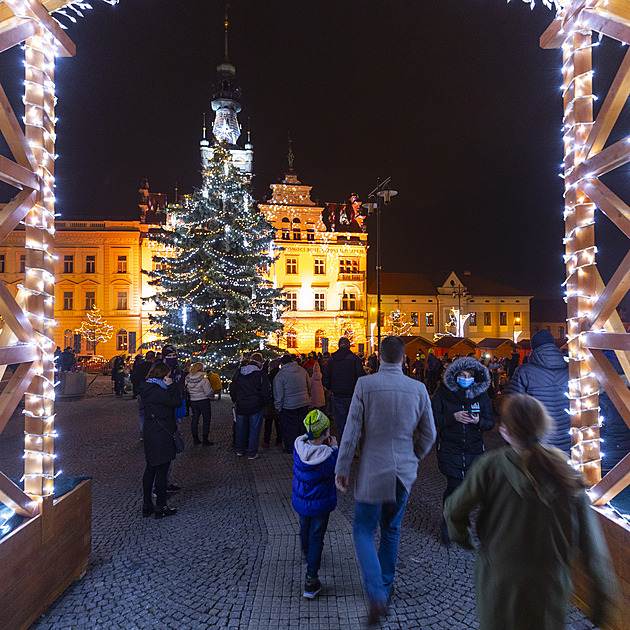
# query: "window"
{"type": "Point", "coordinates": [502, 318]}
{"type": "Point", "coordinates": [291, 266]}
{"type": "Point", "coordinates": [291, 338]}
{"type": "Point", "coordinates": [67, 301]}
{"type": "Point", "coordinates": [286, 229]}
{"type": "Point", "coordinates": [349, 265]}
{"type": "Point", "coordinates": [22, 263]}
{"type": "Point", "coordinates": [318, 338]}
{"type": "Point", "coordinates": [68, 264]}
{"type": "Point", "coordinates": [1, 263]}
{"type": "Point", "coordinates": [297, 234]}
{"type": "Point", "coordinates": [560, 332]}
{"type": "Point", "coordinates": [292, 299]}
{"type": "Point", "coordinates": [320, 267]}
{"type": "Point", "coordinates": [487, 319]}
{"type": "Point", "coordinates": [414, 319]}
{"type": "Point", "coordinates": [122, 264]}
{"type": "Point", "coordinates": [517, 318]}
{"type": "Point", "coordinates": [430, 317]}
{"type": "Point", "coordinates": [68, 338]}
{"type": "Point", "coordinates": [122, 340]}
{"type": "Point", "coordinates": [90, 264]}
{"type": "Point", "coordinates": [320, 302]}
{"type": "Point", "coordinates": [349, 302]}
{"type": "Point", "coordinates": [310, 233]}
{"type": "Point", "coordinates": [90, 300]}
{"type": "Point", "coordinates": [90, 347]}
{"type": "Point", "coordinates": [121, 302]}
{"type": "Point", "coordinates": [472, 320]}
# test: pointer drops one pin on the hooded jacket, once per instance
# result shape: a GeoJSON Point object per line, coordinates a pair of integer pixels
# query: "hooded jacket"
{"type": "Point", "coordinates": [342, 373]}
{"type": "Point", "coordinates": [250, 390]}
{"type": "Point", "coordinates": [546, 378]}
{"type": "Point", "coordinates": [198, 386]}
{"type": "Point", "coordinates": [291, 387]}
{"type": "Point", "coordinates": [522, 572]}
{"type": "Point", "coordinates": [314, 491]}
{"type": "Point", "coordinates": [454, 437]}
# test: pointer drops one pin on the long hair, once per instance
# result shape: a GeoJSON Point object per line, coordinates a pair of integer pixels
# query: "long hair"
{"type": "Point", "coordinates": [196, 367]}
{"type": "Point", "coordinates": [528, 422]}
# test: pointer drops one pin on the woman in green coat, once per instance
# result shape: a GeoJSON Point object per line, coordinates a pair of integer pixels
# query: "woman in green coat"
{"type": "Point", "coordinates": [535, 518]}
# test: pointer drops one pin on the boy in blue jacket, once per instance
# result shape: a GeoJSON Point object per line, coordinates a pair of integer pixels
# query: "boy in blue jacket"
{"type": "Point", "coordinates": [314, 494]}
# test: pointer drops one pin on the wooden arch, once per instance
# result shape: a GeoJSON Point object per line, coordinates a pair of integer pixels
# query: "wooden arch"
{"type": "Point", "coordinates": [27, 336]}
{"type": "Point", "coordinates": [593, 323]}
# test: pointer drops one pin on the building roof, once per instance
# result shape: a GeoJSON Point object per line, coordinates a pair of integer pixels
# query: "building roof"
{"type": "Point", "coordinates": [490, 343]}
{"type": "Point", "coordinates": [448, 342]}
{"type": "Point", "coordinates": [427, 284]}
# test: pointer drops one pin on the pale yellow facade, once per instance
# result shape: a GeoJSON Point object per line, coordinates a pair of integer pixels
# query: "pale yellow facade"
{"type": "Point", "coordinates": [322, 273]}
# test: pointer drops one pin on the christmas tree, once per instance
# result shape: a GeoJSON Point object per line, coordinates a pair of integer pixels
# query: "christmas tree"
{"type": "Point", "coordinates": [95, 329]}
{"type": "Point", "coordinates": [213, 297]}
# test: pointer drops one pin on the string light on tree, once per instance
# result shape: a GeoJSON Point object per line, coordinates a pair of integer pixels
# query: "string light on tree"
{"type": "Point", "coordinates": [95, 329]}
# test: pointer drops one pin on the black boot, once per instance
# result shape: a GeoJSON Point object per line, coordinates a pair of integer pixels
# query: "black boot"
{"type": "Point", "coordinates": [164, 511]}
{"type": "Point", "coordinates": [148, 509]}
{"type": "Point", "coordinates": [196, 440]}
{"type": "Point", "coordinates": [206, 441]}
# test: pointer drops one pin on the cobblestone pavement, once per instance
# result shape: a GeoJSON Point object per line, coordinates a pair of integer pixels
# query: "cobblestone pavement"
{"type": "Point", "coordinates": [230, 557]}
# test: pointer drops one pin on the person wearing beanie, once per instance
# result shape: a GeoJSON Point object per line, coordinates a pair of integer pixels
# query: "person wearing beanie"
{"type": "Point", "coordinates": [314, 496]}
{"type": "Point", "coordinates": [546, 377]}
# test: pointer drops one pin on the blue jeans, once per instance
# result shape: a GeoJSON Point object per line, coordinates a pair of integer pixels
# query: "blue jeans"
{"type": "Point", "coordinates": [342, 406]}
{"type": "Point", "coordinates": [312, 531]}
{"type": "Point", "coordinates": [378, 569]}
{"type": "Point", "coordinates": [248, 432]}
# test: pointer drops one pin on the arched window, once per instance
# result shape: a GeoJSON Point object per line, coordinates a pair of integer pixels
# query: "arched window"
{"type": "Point", "coordinates": [122, 340]}
{"type": "Point", "coordinates": [291, 338]}
{"type": "Point", "coordinates": [68, 339]}
{"type": "Point", "coordinates": [318, 338]}
{"type": "Point", "coordinates": [297, 230]}
{"type": "Point", "coordinates": [286, 229]}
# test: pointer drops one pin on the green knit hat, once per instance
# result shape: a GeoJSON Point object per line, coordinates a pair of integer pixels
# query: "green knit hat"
{"type": "Point", "coordinates": [316, 423]}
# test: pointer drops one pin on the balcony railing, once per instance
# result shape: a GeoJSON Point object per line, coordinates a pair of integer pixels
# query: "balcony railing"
{"type": "Point", "coordinates": [354, 277]}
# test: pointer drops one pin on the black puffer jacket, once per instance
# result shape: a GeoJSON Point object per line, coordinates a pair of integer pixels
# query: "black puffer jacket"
{"type": "Point", "coordinates": [546, 378]}
{"type": "Point", "coordinates": [250, 390]}
{"type": "Point", "coordinates": [458, 444]}
{"type": "Point", "coordinates": [342, 373]}
{"type": "Point", "coordinates": [159, 421]}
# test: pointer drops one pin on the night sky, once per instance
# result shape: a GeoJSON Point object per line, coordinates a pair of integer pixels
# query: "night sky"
{"type": "Point", "coordinates": [454, 99]}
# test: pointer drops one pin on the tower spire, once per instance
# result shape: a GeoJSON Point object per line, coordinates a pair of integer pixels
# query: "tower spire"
{"type": "Point", "coordinates": [204, 125]}
{"type": "Point", "coordinates": [226, 24]}
{"type": "Point", "coordinates": [290, 156]}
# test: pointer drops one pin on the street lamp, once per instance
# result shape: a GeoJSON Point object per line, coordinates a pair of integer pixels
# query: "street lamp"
{"type": "Point", "coordinates": [459, 292]}
{"type": "Point", "coordinates": [379, 196]}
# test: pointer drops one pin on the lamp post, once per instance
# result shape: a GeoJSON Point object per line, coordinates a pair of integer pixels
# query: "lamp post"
{"type": "Point", "coordinates": [379, 196]}
{"type": "Point", "coordinates": [459, 292]}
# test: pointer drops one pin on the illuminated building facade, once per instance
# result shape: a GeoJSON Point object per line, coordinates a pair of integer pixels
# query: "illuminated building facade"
{"type": "Point", "coordinates": [321, 267]}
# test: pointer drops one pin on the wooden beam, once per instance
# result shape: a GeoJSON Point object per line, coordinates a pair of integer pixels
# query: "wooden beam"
{"type": "Point", "coordinates": [607, 341]}
{"type": "Point", "coordinates": [16, 175]}
{"type": "Point", "coordinates": [19, 354]}
{"type": "Point", "coordinates": [14, 390]}
{"type": "Point", "coordinates": [13, 134]}
{"type": "Point", "coordinates": [607, 24]}
{"type": "Point", "coordinates": [607, 160]}
{"type": "Point", "coordinates": [562, 26]}
{"type": "Point", "coordinates": [51, 5]}
{"type": "Point", "coordinates": [612, 383]}
{"type": "Point", "coordinates": [16, 499]}
{"type": "Point", "coordinates": [615, 480]}
{"type": "Point", "coordinates": [14, 317]}
{"type": "Point", "coordinates": [610, 109]}
{"type": "Point", "coordinates": [610, 204]}
{"type": "Point", "coordinates": [40, 12]}
{"type": "Point", "coordinates": [15, 211]}
{"type": "Point", "coordinates": [614, 292]}
{"type": "Point", "coordinates": [14, 31]}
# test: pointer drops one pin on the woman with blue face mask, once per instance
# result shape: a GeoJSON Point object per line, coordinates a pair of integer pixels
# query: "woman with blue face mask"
{"type": "Point", "coordinates": [462, 411]}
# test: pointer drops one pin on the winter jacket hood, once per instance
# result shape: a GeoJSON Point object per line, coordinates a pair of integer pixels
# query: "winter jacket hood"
{"type": "Point", "coordinates": [250, 390]}
{"type": "Point", "coordinates": [470, 364]}
{"type": "Point", "coordinates": [311, 454]}
{"type": "Point", "coordinates": [548, 356]}
{"type": "Point", "coordinates": [340, 354]}
{"type": "Point", "coordinates": [248, 369]}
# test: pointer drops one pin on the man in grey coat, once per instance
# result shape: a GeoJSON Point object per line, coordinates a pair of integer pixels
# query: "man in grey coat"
{"type": "Point", "coordinates": [391, 414]}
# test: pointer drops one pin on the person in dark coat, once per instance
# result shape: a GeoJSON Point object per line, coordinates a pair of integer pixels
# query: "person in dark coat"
{"type": "Point", "coordinates": [160, 397]}
{"type": "Point", "coordinates": [546, 378]}
{"type": "Point", "coordinates": [462, 411]}
{"type": "Point", "coordinates": [515, 359]}
{"type": "Point", "coordinates": [271, 413]}
{"type": "Point", "coordinates": [250, 392]}
{"type": "Point", "coordinates": [434, 367]}
{"type": "Point", "coordinates": [118, 374]}
{"type": "Point", "coordinates": [418, 368]}
{"type": "Point", "coordinates": [140, 375]}
{"type": "Point", "coordinates": [340, 376]}
{"type": "Point", "coordinates": [66, 360]}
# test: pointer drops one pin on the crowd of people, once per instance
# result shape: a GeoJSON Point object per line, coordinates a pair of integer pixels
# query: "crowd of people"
{"type": "Point", "coordinates": [534, 519]}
